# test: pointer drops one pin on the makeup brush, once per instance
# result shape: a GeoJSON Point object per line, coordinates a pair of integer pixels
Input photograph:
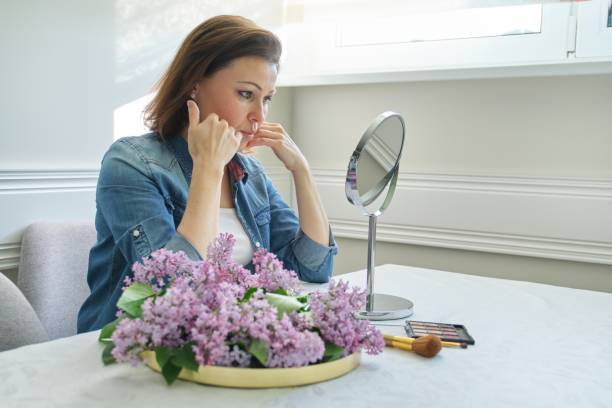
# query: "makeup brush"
{"type": "Point", "coordinates": [409, 340]}
{"type": "Point", "coordinates": [426, 346]}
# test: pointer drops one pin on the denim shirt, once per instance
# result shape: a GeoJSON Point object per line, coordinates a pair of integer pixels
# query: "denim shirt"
{"type": "Point", "coordinates": [140, 201]}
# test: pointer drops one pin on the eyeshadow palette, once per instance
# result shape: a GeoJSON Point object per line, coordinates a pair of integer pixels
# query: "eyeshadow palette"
{"type": "Point", "coordinates": [445, 331]}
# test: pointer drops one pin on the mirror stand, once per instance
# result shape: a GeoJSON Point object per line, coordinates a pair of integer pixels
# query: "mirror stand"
{"type": "Point", "coordinates": [381, 306]}
{"type": "Point", "coordinates": [374, 167]}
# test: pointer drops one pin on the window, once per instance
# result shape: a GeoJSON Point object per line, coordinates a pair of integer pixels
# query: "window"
{"type": "Point", "coordinates": [356, 37]}
{"type": "Point", "coordinates": [441, 25]}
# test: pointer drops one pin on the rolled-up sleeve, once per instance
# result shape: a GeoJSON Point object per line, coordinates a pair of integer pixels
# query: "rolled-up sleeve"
{"type": "Point", "coordinates": [311, 253]}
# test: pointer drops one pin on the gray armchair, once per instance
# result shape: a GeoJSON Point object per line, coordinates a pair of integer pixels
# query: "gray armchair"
{"type": "Point", "coordinates": [19, 325]}
{"type": "Point", "coordinates": [53, 272]}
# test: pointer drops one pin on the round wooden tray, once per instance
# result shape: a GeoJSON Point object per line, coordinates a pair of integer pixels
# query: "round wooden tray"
{"type": "Point", "coordinates": [264, 377]}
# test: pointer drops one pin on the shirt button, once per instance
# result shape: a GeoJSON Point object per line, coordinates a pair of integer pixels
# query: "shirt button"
{"type": "Point", "coordinates": [136, 233]}
{"type": "Point", "coordinates": [257, 244]}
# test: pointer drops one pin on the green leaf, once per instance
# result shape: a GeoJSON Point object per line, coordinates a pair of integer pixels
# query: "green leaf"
{"type": "Point", "coordinates": [303, 298]}
{"type": "Point", "coordinates": [259, 350]}
{"type": "Point", "coordinates": [163, 355]}
{"type": "Point", "coordinates": [108, 330]}
{"type": "Point", "coordinates": [107, 356]}
{"type": "Point", "coordinates": [185, 358]}
{"type": "Point", "coordinates": [247, 295]}
{"type": "Point", "coordinates": [170, 371]}
{"type": "Point", "coordinates": [284, 304]}
{"type": "Point", "coordinates": [332, 352]}
{"type": "Point", "coordinates": [281, 291]}
{"type": "Point", "coordinates": [133, 297]}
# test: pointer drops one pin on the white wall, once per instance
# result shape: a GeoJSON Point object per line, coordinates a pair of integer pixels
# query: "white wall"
{"type": "Point", "coordinates": [58, 84]}
{"type": "Point", "coordinates": [515, 166]}
{"type": "Point", "coordinates": [59, 92]}
{"type": "Point", "coordinates": [546, 127]}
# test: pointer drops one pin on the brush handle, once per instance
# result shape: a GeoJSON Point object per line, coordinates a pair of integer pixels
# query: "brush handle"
{"type": "Point", "coordinates": [398, 345]}
{"type": "Point", "coordinates": [410, 340]}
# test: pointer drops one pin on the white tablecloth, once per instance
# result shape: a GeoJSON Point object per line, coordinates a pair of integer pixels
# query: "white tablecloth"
{"type": "Point", "coordinates": [536, 346]}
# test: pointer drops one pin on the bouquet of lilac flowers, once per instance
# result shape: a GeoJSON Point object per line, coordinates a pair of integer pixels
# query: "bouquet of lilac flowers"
{"type": "Point", "coordinates": [215, 312]}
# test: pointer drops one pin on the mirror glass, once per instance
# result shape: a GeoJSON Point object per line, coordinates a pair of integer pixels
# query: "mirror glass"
{"type": "Point", "coordinates": [374, 163]}
{"type": "Point", "coordinates": [378, 158]}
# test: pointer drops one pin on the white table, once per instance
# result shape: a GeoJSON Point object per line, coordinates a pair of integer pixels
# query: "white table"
{"type": "Point", "coordinates": [536, 346]}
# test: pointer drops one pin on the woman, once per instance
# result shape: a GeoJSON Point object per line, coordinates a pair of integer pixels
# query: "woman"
{"type": "Point", "coordinates": [181, 185]}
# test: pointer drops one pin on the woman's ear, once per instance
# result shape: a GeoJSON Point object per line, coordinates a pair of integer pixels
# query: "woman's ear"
{"type": "Point", "coordinates": [194, 91]}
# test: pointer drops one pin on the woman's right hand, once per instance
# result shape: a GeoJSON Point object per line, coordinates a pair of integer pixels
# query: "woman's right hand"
{"type": "Point", "coordinates": [212, 142]}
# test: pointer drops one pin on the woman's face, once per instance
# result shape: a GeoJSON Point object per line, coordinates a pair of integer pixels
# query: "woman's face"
{"type": "Point", "coordinates": [239, 93]}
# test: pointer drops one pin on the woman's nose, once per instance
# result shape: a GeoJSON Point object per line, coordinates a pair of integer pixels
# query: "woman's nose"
{"type": "Point", "coordinates": [258, 113]}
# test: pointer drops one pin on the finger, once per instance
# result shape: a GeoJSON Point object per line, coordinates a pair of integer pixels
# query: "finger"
{"type": "Point", "coordinates": [261, 141]}
{"type": "Point", "coordinates": [270, 125]}
{"type": "Point", "coordinates": [213, 117]}
{"type": "Point", "coordinates": [236, 134]}
{"type": "Point", "coordinates": [269, 134]}
{"type": "Point", "coordinates": [194, 113]}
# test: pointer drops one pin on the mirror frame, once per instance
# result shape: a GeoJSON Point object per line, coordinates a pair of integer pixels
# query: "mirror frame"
{"type": "Point", "coordinates": [351, 189]}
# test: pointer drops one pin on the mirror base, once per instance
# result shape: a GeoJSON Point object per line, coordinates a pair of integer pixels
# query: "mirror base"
{"type": "Point", "coordinates": [387, 307]}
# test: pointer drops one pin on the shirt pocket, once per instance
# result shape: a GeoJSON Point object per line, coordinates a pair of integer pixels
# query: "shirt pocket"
{"type": "Point", "coordinates": [263, 216]}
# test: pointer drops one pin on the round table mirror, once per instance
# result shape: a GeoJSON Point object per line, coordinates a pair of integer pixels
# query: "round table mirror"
{"type": "Point", "coordinates": [370, 184]}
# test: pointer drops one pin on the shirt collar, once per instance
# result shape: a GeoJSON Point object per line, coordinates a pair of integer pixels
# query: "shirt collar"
{"type": "Point", "coordinates": [180, 147]}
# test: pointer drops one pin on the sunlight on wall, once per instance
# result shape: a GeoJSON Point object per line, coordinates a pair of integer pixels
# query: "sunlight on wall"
{"type": "Point", "coordinates": [128, 119]}
{"type": "Point", "coordinates": [149, 32]}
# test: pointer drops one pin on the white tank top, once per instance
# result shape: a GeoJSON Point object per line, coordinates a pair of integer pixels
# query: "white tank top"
{"type": "Point", "coordinates": [229, 222]}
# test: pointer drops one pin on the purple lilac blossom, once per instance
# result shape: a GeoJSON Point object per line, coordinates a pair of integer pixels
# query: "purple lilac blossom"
{"type": "Point", "coordinates": [289, 347]}
{"type": "Point", "coordinates": [220, 258]}
{"type": "Point", "coordinates": [209, 334]}
{"type": "Point", "coordinates": [333, 313]}
{"type": "Point", "coordinates": [201, 306]}
{"type": "Point", "coordinates": [234, 357]}
{"type": "Point", "coordinates": [219, 251]}
{"type": "Point", "coordinates": [162, 266]}
{"type": "Point", "coordinates": [272, 275]}
{"type": "Point", "coordinates": [130, 338]}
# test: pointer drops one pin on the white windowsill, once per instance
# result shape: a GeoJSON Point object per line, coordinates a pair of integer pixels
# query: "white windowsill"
{"type": "Point", "coordinates": [575, 66]}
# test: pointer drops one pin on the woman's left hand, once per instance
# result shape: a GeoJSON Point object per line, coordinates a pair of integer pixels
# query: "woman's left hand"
{"type": "Point", "coordinates": [275, 137]}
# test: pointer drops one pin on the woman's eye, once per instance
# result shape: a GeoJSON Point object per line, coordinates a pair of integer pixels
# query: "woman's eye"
{"type": "Point", "coordinates": [245, 94]}
{"type": "Point", "coordinates": [268, 99]}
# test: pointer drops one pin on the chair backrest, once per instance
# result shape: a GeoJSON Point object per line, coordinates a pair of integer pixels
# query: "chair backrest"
{"type": "Point", "coordinates": [19, 325]}
{"type": "Point", "coordinates": [53, 272]}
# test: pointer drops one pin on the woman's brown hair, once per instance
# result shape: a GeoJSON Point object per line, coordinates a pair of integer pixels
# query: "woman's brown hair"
{"type": "Point", "coordinates": [210, 47]}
